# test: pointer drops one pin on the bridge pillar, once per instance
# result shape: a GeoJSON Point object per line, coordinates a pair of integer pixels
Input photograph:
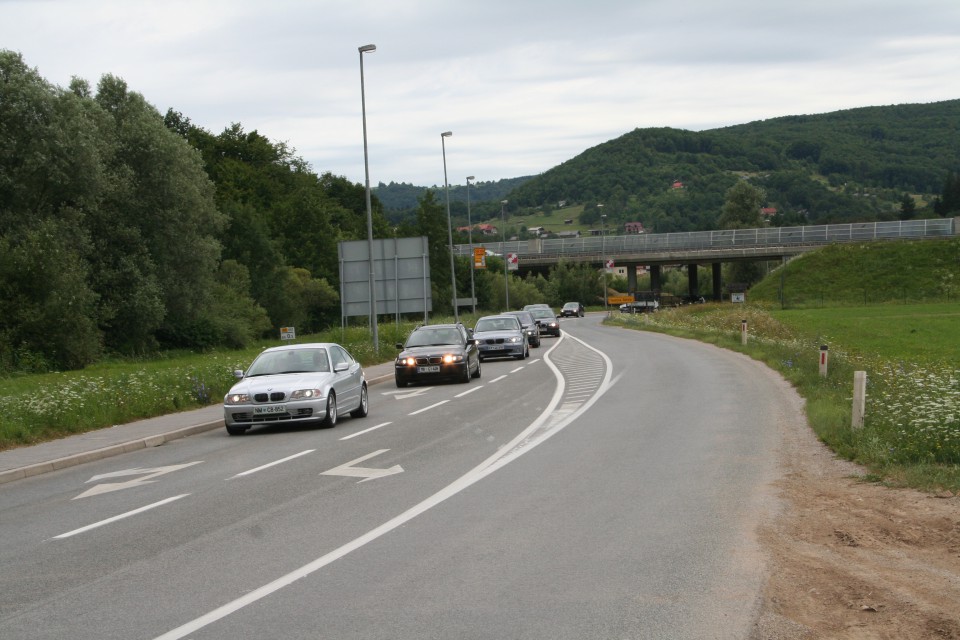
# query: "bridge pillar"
{"type": "Point", "coordinates": [632, 278]}
{"type": "Point", "coordinates": [693, 286]}
{"type": "Point", "coordinates": [717, 283]}
{"type": "Point", "coordinates": [655, 278]}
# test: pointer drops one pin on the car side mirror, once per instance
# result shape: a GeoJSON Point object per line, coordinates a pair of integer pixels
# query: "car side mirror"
{"type": "Point", "coordinates": [399, 345]}
{"type": "Point", "coordinates": [340, 366]}
{"type": "Point", "coordinates": [238, 373]}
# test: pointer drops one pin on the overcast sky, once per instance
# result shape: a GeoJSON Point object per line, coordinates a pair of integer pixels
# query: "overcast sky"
{"type": "Point", "coordinates": [523, 85]}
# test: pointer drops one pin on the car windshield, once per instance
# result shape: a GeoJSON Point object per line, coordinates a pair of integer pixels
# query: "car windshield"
{"type": "Point", "coordinates": [290, 361]}
{"type": "Point", "coordinates": [496, 324]}
{"type": "Point", "coordinates": [434, 336]}
{"type": "Point", "coordinates": [571, 305]}
{"type": "Point", "coordinates": [523, 316]}
{"type": "Point", "coordinates": [542, 313]}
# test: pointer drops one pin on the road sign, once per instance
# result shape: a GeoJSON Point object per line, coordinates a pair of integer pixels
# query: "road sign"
{"type": "Point", "coordinates": [610, 263]}
{"type": "Point", "coordinates": [479, 258]}
{"type": "Point", "coordinates": [620, 299]}
{"type": "Point", "coordinates": [288, 333]}
{"type": "Point", "coordinates": [513, 261]}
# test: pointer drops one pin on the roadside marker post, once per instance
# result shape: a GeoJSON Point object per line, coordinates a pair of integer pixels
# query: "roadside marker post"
{"type": "Point", "coordinates": [823, 360]}
{"type": "Point", "coordinates": [743, 332]}
{"type": "Point", "coordinates": [859, 398]}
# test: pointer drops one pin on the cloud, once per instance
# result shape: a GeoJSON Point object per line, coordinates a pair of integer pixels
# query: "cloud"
{"type": "Point", "coordinates": [524, 85]}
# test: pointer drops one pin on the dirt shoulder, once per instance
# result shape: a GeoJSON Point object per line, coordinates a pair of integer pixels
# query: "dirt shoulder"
{"type": "Point", "coordinates": [855, 560]}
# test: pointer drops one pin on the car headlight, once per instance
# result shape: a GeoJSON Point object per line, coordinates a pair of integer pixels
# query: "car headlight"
{"type": "Point", "coordinates": [306, 394]}
{"type": "Point", "coordinates": [452, 357]}
{"type": "Point", "coordinates": [236, 398]}
{"type": "Point", "coordinates": [514, 339]}
{"type": "Point", "coordinates": [406, 362]}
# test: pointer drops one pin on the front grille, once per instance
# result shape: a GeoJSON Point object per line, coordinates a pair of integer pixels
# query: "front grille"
{"type": "Point", "coordinates": [422, 360]}
{"type": "Point", "coordinates": [493, 341]}
{"type": "Point", "coordinates": [276, 396]}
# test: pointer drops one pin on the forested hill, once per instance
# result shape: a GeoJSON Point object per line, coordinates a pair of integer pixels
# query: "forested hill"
{"type": "Point", "coordinates": [400, 196]}
{"type": "Point", "coordinates": [854, 164]}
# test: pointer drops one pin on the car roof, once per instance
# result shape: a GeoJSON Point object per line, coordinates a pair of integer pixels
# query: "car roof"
{"type": "Point", "coordinates": [306, 345]}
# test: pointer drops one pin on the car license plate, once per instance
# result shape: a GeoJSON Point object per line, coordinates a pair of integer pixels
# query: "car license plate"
{"type": "Point", "coordinates": [434, 368]}
{"type": "Point", "coordinates": [270, 408]}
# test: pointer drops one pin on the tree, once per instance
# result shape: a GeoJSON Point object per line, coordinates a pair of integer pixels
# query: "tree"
{"type": "Point", "coordinates": [741, 210]}
{"type": "Point", "coordinates": [908, 208]}
{"type": "Point", "coordinates": [432, 223]}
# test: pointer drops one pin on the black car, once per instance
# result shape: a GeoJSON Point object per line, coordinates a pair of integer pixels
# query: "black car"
{"type": "Point", "coordinates": [437, 352]}
{"type": "Point", "coordinates": [530, 327]}
{"type": "Point", "coordinates": [547, 320]}
{"type": "Point", "coordinates": [572, 309]}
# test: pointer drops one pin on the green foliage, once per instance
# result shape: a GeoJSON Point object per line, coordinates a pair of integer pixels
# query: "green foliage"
{"type": "Point", "coordinates": [866, 273]}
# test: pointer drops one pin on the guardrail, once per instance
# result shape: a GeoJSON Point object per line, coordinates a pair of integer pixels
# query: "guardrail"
{"type": "Point", "coordinates": [721, 239]}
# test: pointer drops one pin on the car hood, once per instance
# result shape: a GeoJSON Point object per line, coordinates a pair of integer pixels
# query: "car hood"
{"type": "Point", "coordinates": [282, 382]}
{"type": "Point", "coordinates": [431, 349]}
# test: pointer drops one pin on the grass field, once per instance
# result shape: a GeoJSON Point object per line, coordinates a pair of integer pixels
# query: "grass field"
{"type": "Point", "coordinates": [911, 431]}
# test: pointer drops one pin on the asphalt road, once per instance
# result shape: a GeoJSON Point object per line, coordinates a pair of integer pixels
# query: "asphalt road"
{"type": "Point", "coordinates": [608, 487]}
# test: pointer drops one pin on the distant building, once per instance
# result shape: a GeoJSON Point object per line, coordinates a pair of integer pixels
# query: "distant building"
{"type": "Point", "coordinates": [633, 227]}
{"type": "Point", "coordinates": [766, 212]}
{"type": "Point", "coordinates": [568, 234]}
{"type": "Point", "coordinates": [676, 185]}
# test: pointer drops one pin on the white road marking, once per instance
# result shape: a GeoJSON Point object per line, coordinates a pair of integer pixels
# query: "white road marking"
{"type": "Point", "coordinates": [363, 472]}
{"type": "Point", "coordinates": [119, 517]}
{"type": "Point", "coordinates": [360, 433]}
{"type": "Point", "coordinates": [470, 390]}
{"type": "Point", "coordinates": [497, 379]}
{"type": "Point", "coordinates": [433, 406]}
{"type": "Point", "coordinates": [274, 463]}
{"type": "Point", "coordinates": [517, 369]}
{"type": "Point", "coordinates": [402, 395]}
{"type": "Point", "coordinates": [148, 475]}
{"type": "Point", "coordinates": [548, 423]}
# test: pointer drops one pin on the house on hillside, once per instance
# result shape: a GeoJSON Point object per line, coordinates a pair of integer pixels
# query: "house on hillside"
{"type": "Point", "coordinates": [633, 227]}
{"type": "Point", "coordinates": [676, 185]}
{"type": "Point", "coordinates": [768, 212]}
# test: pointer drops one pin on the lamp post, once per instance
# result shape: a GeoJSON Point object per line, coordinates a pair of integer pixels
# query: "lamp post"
{"type": "Point", "coordinates": [473, 265]}
{"type": "Point", "coordinates": [603, 254]}
{"type": "Point", "coordinates": [446, 186]}
{"type": "Point", "coordinates": [368, 48]}
{"type": "Point", "coordinates": [503, 250]}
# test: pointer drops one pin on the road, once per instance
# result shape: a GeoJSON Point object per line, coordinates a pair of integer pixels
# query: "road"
{"type": "Point", "coordinates": [608, 487]}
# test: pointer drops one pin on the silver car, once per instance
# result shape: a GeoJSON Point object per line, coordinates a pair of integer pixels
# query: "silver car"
{"type": "Point", "coordinates": [296, 384]}
{"type": "Point", "coordinates": [501, 337]}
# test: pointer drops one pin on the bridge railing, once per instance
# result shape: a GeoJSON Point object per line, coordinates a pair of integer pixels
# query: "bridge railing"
{"type": "Point", "coordinates": [721, 239]}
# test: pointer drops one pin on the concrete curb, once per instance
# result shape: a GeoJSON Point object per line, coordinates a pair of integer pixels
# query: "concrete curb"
{"type": "Point", "coordinates": [125, 447]}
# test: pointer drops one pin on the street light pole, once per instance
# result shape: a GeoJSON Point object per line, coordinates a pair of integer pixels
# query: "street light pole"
{"type": "Point", "coordinates": [503, 250]}
{"type": "Point", "coordinates": [446, 186]}
{"type": "Point", "coordinates": [473, 265]}
{"type": "Point", "coordinates": [603, 254]}
{"type": "Point", "coordinates": [368, 48]}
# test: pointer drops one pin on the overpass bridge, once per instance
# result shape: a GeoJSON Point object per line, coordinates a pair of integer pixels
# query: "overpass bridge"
{"type": "Point", "coordinates": [656, 250]}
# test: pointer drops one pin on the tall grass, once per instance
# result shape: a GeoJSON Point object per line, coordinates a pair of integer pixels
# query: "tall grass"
{"type": "Point", "coordinates": [37, 408]}
{"type": "Point", "coordinates": [911, 432]}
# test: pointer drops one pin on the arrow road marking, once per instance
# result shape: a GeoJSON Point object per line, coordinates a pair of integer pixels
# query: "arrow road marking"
{"type": "Point", "coordinates": [148, 476]}
{"type": "Point", "coordinates": [403, 395]}
{"type": "Point", "coordinates": [363, 472]}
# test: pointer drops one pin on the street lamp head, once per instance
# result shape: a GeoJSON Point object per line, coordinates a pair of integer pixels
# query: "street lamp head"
{"type": "Point", "coordinates": [504, 201]}
{"type": "Point", "coordinates": [446, 134]}
{"type": "Point", "coordinates": [470, 178]}
{"type": "Point", "coordinates": [367, 48]}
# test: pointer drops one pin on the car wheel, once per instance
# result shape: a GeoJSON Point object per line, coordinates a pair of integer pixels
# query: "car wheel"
{"type": "Point", "coordinates": [476, 374]}
{"type": "Point", "coordinates": [236, 431]}
{"type": "Point", "coordinates": [361, 411]}
{"type": "Point", "coordinates": [465, 376]}
{"type": "Point", "coordinates": [331, 419]}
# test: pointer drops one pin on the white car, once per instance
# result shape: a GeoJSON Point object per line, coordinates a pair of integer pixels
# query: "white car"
{"type": "Point", "coordinates": [296, 384]}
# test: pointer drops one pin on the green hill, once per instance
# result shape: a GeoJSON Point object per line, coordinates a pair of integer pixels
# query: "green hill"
{"type": "Point", "coordinates": [866, 273]}
{"type": "Point", "coordinates": [852, 165]}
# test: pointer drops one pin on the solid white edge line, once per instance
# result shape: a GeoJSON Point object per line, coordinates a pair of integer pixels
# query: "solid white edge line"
{"type": "Point", "coordinates": [474, 475]}
{"type": "Point", "coordinates": [274, 463]}
{"type": "Point", "coordinates": [360, 433]}
{"type": "Point", "coordinates": [119, 517]}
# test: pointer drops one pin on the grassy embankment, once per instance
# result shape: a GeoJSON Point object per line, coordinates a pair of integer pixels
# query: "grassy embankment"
{"type": "Point", "coordinates": [910, 352]}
